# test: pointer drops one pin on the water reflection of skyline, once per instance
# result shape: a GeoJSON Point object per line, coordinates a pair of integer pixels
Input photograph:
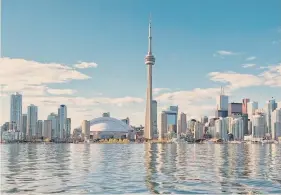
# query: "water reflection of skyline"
{"type": "Point", "coordinates": [223, 168]}
{"type": "Point", "coordinates": [141, 168]}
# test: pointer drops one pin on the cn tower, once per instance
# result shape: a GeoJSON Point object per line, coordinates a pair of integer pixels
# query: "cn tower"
{"type": "Point", "coordinates": [149, 61]}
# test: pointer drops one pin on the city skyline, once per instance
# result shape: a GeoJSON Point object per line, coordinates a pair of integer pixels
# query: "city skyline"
{"type": "Point", "coordinates": [59, 67]}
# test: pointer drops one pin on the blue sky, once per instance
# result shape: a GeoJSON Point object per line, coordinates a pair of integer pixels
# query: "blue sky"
{"type": "Point", "coordinates": [113, 34]}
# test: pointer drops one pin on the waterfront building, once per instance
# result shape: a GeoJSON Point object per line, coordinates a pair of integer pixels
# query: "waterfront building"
{"type": "Point", "coordinates": [212, 131]}
{"type": "Point", "coordinates": [164, 124]}
{"type": "Point", "coordinates": [250, 125]}
{"type": "Point", "coordinates": [182, 124]}
{"type": "Point", "coordinates": [198, 130]}
{"type": "Point", "coordinates": [39, 129]}
{"type": "Point", "coordinates": [24, 125]}
{"type": "Point", "coordinates": [237, 129]}
{"type": "Point", "coordinates": [154, 117]}
{"type": "Point", "coordinates": [245, 124]}
{"type": "Point", "coordinates": [32, 117]}
{"type": "Point", "coordinates": [221, 126]}
{"type": "Point", "coordinates": [276, 123]}
{"type": "Point", "coordinates": [68, 127]}
{"type": "Point", "coordinates": [258, 126]}
{"type": "Point", "coordinates": [16, 111]}
{"type": "Point", "coordinates": [47, 130]}
{"type": "Point", "coordinates": [234, 109]}
{"type": "Point", "coordinates": [244, 105]}
{"type": "Point", "coordinates": [149, 61]}
{"type": "Point", "coordinates": [86, 129]}
{"type": "Point", "coordinates": [251, 108]}
{"type": "Point", "coordinates": [270, 106]}
{"type": "Point", "coordinates": [55, 125]}
{"type": "Point", "coordinates": [62, 113]}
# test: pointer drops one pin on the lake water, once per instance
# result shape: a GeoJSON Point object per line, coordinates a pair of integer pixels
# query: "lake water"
{"type": "Point", "coordinates": [140, 168]}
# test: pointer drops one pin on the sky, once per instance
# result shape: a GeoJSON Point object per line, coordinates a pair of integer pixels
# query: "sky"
{"type": "Point", "coordinates": [89, 55]}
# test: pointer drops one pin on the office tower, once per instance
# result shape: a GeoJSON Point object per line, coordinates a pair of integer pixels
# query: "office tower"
{"type": "Point", "coordinates": [68, 127]}
{"type": "Point", "coordinates": [164, 124]}
{"type": "Point", "coordinates": [270, 106]}
{"type": "Point", "coordinates": [47, 130]}
{"type": "Point", "coordinates": [16, 111]}
{"type": "Point", "coordinates": [234, 109]}
{"type": "Point", "coordinates": [24, 125]}
{"type": "Point", "coordinates": [149, 61]}
{"type": "Point", "coordinates": [198, 130]}
{"type": "Point", "coordinates": [221, 126]}
{"type": "Point", "coordinates": [245, 123]}
{"type": "Point", "coordinates": [106, 114]}
{"type": "Point", "coordinates": [204, 119]}
{"type": "Point", "coordinates": [222, 105]}
{"type": "Point", "coordinates": [251, 108]}
{"type": "Point", "coordinates": [32, 117]}
{"type": "Point", "coordinates": [237, 127]}
{"type": "Point", "coordinates": [154, 117]}
{"type": "Point", "coordinates": [172, 116]}
{"type": "Point", "coordinates": [258, 126]}
{"type": "Point", "coordinates": [182, 124]}
{"type": "Point", "coordinates": [39, 129]}
{"type": "Point", "coordinates": [250, 126]}
{"type": "Point", "coordinates": [86, 129]}
{"type": "Point", "coordinates": [276, 123]}
{"type": "Point", "coordinates": [55, 125]}
{"type": "Point", "coordinates": [62, 121]}
{"type": "Point", "coordinates": [244, 105]}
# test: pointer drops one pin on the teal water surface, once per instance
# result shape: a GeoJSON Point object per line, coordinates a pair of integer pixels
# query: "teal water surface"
{"type": "Point", "coordinates": [140, 168]}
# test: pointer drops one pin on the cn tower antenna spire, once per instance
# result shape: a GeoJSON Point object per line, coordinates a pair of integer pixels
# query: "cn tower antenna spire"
{"type": "Point", "coordinates": [149, 37]}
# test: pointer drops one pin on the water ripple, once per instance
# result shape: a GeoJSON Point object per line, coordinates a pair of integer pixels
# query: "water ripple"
{"type": "Point", "coordinates": [140, 168]}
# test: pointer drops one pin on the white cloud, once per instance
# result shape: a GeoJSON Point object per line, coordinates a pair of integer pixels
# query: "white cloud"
{"type": "Point", "coordinates": [159, 90]}
{"type": "Point", "coordinates": [19, 73]}
{"type": "Point", "coordinates": [83, 65]}
{"type": "Point", "coordinates": [248, 65]}
{"type": "Point", "coordinates": [222, 53]}
{"type": "Point", "coordinates": [236, 80]}
{"type": "Point", "coordinates": [61, 91]}
{"type": "Point", "coordinates": [270, 77]}
{"type": "Point", "coordinates": [251, 58]}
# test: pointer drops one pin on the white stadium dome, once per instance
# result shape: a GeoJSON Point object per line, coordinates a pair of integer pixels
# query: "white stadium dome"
{"type": "Point", "coordinates": [108, 127]}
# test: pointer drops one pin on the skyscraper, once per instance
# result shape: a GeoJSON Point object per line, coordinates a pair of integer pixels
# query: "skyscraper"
{"type": "Point", "coordinates": [24, 125]}
{"type": "Point", "coordinates": [251, 108]}
{"type": "Point", "coordinates": [154, 117]}
{"type": "Point", "coordinates": [16, 111]}
{"type": "Point", "coordinates": [55, 125]}
{"type": "Point", "coordinates": [86, 129]}
{"type": "Point", "coordinates": [149, 61]}
{"type": "Point", "coordinates": [32, 117]}
{"type": "Point", "coordinates": [62, 121]}
{"type": "Point", "coordinates": [39, 129]}
{"type": "Point", "coordinates": [164, 125]}
{"type": "Point", "coordinates": [276, 123]}
{"type": "Point", "coordinates": [222, 101]}
{"type": "Point", "coordinates": [68, 127]}
{"type": "Point", "coordinates": [182, 124]}
{"type": "Point", "coordinates": [244, 105]}
{"type": "Point", "coordinates": [270, 106]}
{"type": "Point", "coordinates": [47, 130]}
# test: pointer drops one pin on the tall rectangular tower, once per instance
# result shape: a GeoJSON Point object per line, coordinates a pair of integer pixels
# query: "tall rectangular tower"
{"type": "Point", "coordinates": [16, 111]}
